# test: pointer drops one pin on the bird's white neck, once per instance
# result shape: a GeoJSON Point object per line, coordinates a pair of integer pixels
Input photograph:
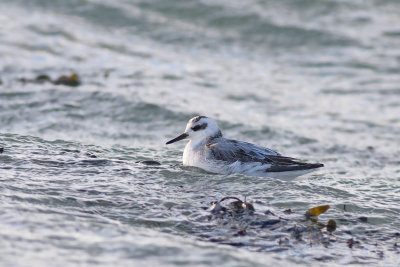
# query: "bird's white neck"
{"type": "Point", "coordinates": [191, 152]}
{"type": "Point", "coordinates": [197, 142]}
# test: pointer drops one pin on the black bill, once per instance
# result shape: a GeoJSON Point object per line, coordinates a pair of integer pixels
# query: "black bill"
{"type": "Point", "coordinates": [176, 139]}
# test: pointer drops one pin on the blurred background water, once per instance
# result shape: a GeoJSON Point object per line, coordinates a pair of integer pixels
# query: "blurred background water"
{"type": "Point", "coordinates": [317, 80]}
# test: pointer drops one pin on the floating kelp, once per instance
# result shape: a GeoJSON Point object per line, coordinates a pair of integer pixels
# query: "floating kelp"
{"type": "Point", "coordinates": [363, 219]}
{"type": "Point", "coordinates": [241, 232]}
{"type": "Point", "coordinates": [68, 80]}
{"type": "Point", "coordinates": [71, 80]}
{"type": "Point", "coordinates": [43, 78]}
{"type": "Point", "coordinates": [235, 206]}
{"type": "Point", "coordinates": [78, 153]}
{"type": "Point", "coordinates": [90, 155]}
{"type": "Point", "coordinates": [316, 211]}
{"type": "Point", "coordinates": [149, 162]}
{"type": "Point", "coordinates": [331, 226]}
{"type": "Point", "coordinates": [351, 242]}
{"type": "Point", "coordinates": [288, 211]}
{"type": "Point", "coordinates": [313, 213]}
{"type": "Point", "coordinates": [239, 218]}
{"type": "Point", "coordinates": [39, 79]}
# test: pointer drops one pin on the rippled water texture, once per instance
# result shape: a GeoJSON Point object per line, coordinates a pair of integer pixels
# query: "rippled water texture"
{"type": "Point", "coordinates": [317, 80]}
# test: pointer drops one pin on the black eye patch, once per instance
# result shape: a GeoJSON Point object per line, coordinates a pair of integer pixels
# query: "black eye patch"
{"type": "Point", "coordinates": [199, 127]}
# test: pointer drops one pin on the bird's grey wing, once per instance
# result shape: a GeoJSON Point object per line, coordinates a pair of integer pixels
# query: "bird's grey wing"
{"type": "Point", "coordinates": [232, 151]}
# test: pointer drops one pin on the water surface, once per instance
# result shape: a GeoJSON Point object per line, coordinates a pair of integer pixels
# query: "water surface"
{"type": "Point", "coordinates": [310, 79]}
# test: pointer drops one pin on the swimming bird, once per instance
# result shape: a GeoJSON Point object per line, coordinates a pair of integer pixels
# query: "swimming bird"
{"type": "Point", "coordinates": [209, 150]}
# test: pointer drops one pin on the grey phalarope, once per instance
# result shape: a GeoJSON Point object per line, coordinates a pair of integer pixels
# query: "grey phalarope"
{"type": "Point", "coordinates": [208, 150]}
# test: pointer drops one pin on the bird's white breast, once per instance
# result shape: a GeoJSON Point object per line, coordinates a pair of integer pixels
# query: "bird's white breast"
{"type": "Point", "coordinates": [195, 155]}
{"type": "Point", "coordinates": [186, 155]}
{"type": "Point", "coordinates": [192, 155]}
